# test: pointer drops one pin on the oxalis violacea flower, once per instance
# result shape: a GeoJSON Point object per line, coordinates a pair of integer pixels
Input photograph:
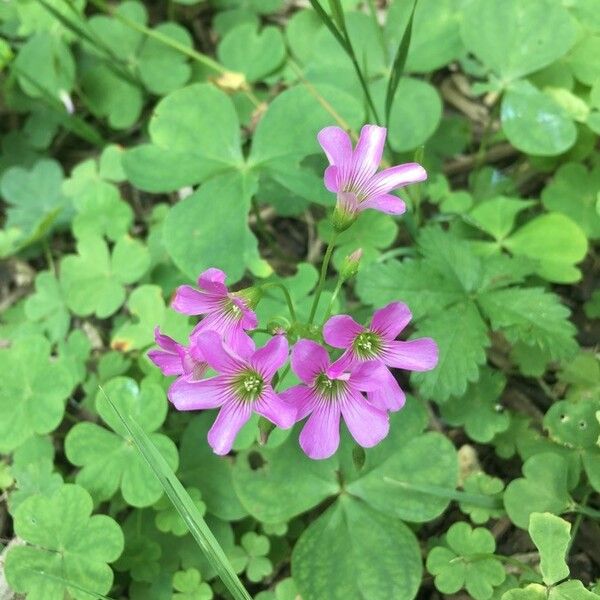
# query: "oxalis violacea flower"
{"type": "Point", "coordinates": [175, 359]}
{"type": "Point", "coordinates": [352, 174]}
{"type": "Point", "coordinates": [377, 342]}
{"type": "Point", "coordinates": [229, 313]}
{"type": "Point", "coordinates": [242, 386]}
{"type": "Point", "coordinates": [329, 393]}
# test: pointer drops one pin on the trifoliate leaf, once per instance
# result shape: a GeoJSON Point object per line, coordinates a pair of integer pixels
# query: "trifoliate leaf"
{"type": "Point", "coordinates": [533, 317]}
{"type": "Point", "coordinates": [74, 353]}
{"type": "Point", "coordinates": [65, 544]}
{"type": "Point", "coordinates": [497, 216]}
{"type": "Point", "coordinates": [479, 484]}
{"type": "Point", "coordinates": [573, 423]}
{"type": "Point", "coordinates": [47, 305]}
{"type": "Point", "coordinates": [93, 280]}
{"type": "Point", "coordinates": [33, 391]}
{"type": "Point", "coordinates": [108, 459]}
{"type": "Point", "coordinates": [257, 547]}
{"type": "Point", "coordinates": [168, 520]}
{"type": "Point", "coordinates": [552, 537]}
{"type": "Point", "coordinates": [461, 564]}
{"type": "Point", "coordinates": [478, 411]}
{"type": "Point", "coordinates": [188, 585]}
{"type": "Point", "coordinates": [351, 551]}
{"type": "Point", "coordinates": [543, 488]}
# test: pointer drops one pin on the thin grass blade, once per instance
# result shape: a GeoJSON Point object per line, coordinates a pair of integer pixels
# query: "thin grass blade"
{"type": "Point", "coordinates": [398, 64]}
{"type": "Point", "coordinates": [184, 505]}
{"type": "Point", "coordinates": [330, 24]}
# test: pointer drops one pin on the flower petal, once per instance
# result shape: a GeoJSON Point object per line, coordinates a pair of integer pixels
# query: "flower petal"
{"type": "Point", "coordinates": [187, 394]}
{"type": "Point", "coordinates": [275, 408]}
{"type": "Point", "coordinates": [336, 144]}
{"type": "Point", "coordinates": [414, 355]}
{"type": "Point", "coordinates": [388, 395]}
{"type": "Point", "coordinates": [213, 281]}
{"type": "Point", "coordinates": [231, 418]}
{"type": "Point", "coordinates": [368, 152]}
{"type": "Point", "coordinates": [367, 424]}
{"type": "Point", "coordinates": [301, 397]}
{"type": "Point", "coordinates": [385, 203]}
{"type": "Point", "coordinates": [395, 177]}
{"type": "Point", "coordinates": [331, 178]}
{"type": "Point", "coordinates": [390, 320]}
{"type": "Point", "coordinates": [308, 360]}
{"type": "Point", "coordinates": [320, 437]}
{"type": "Point", "coordinates": [366, 376]}
{"type": "Point", "coordinates": [340, 331]}
{"type": "Point", "coordinates": [240, 342]}
{"type": "Point", "coordinates": [169, 364]}
{"type": "Point", "coordinates": [190, 301]}
{"type": "Point", "coordinates": [272, 356]}
{"type": "Point", "coordinates": [218, 357]}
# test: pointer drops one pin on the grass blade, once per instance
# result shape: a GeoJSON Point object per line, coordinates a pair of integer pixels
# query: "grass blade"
{"type": "Point", "coordinates": [330, 24]}
{"type": "Point", "coordinates": [398, 64]}
{"type": "Point", "coordinates": [184, 505]}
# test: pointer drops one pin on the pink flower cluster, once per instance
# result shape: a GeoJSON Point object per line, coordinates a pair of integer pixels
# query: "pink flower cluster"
{"type": "Point", "coordinates": [357, 387]}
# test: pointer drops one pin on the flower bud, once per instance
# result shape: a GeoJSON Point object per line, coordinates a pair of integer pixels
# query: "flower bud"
{"type": "Point", "coordinates": [251, 295]}
{"type": "Point", "coordinates": [350, 265]}
{"type": "Point", "coordinates": [278, 326]}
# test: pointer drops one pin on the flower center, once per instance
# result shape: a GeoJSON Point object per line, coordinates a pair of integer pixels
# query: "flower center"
{"type": "Point", "coordinates": [232, 309]}
{"type": "Point", "coordinates": [248, 385]}
{"type": "Point", "coordinates": [328, 388]}
{"type": "Point", "coordinates": [367, 345]}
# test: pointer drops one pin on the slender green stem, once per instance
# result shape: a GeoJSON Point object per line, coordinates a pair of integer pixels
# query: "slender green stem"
{"type": "Point", "coordinates": [336, 291]}
{"type": "Point", "coordinates": [322, 277]}
{"type": "Point", "coordinates": [283, 375]}
{"type": "Point", "coordinates": [586, 511]}
{"type": "Point", "coordinates": [506, 559]}
{"type": "Point", "coordinates": [577, 524]}
{"type": "Point", "coordinates": [286, 293]}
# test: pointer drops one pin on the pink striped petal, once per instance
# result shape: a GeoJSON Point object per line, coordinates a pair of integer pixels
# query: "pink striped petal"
{"type": "Point", "coordinates": [231, 418]}
{"type": "Point", "coordinates": [389, 395]}
{"type": "Point", "coordinates": [368, 152]}
{"type": "Point", "coordinates": [341, 330]}
{"type": "Point", "coordinates": [186, 394]}
{"type": "Point", "coordinates": [308, 360]}
{"type": "Point", "coordinates": [213, 281]}
{"type": "Point", "coordinates": [168, 363]}
{"type": "Point", "coordinates": [301, 397]}
{"type": "Point", "coordinates": [396, 177]}
{"type": "Point", "coordinates": [275, 408]}
{"type": "Point", "coordinates": [367, 376]}
{"type": "Point", "coordinates": [271, 357]}
{"type": "Point", "coordinates": [385, 203]}
{"type": "Point", "coordinates": [218, 357]}
{"type": "Point", "coordinates": [415, 355]}
{"type": "Point", "coordinates": [320, 437]}
{"type": "Point", "coordinates": [367, 424]}
{"type": "Point", "coordinates": [190, 301]}
{"type": "Point", "coordinates": [390, 320]}
{"type": "Point", "coordinates": [331, 178]}
{"type": "Point", "coordinates": [336, 144]}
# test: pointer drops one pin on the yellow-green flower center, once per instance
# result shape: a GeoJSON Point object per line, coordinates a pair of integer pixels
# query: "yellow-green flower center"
{"type": "Point", "coordinates": [367, 345]}
{"type": "Point", "coordinates": [328, 388]}
{"type": "Point", "coordinates": [248, 385]}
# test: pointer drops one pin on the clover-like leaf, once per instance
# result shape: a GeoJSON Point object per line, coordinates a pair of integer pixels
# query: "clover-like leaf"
{"type": "Point", "coordinates": [552, 536]}
{"type": "Point", "coordinates": [168, 520]}
{"type": "Point", "coordinates": [257, 547]}
{"type": "Point", "coordinates": [108, 459]}
{"type": "Point", "coordinates": [478, 484]}
{"type": "Point", "coordinates": [574, 423]}
{"type": "Point", "coordinates": [478, 410]}
{"type": "Point", "coordinates": [33, 391]}
{"type": "Point", "coordinates": [188, 585]}
{"type": "Point", "coordinates": [65, 544]}
{"type": "Point", "coordinates": [468, 562]}
{"type": "Point", "coordinates": [544, 488]}
{"type": "Point", "coordinates": [47, 306]}
{"type": "Point", "coordinates": [497, 216]}
{"type": "Point", "coordinates": [93, 280]}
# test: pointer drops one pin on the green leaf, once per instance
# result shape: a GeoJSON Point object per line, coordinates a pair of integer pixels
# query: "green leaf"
{"type": "Point", "coordinates": [507, 37]}
{"type": "Point", "coordinates": [47, 305]}
{"type": "Point", "coordinates": [168, 520]}
{"type": "Point", "coordinates": [109, 461]}
{"type": "Point", "coordinates": [210, 228]}
{"type": "Point", "coordinates": [552, 536]}
{"type": "Point", "coordinates": [414, 482]}
{"type": "Point", "coordinates": [254, 53]}
{"type": "Point", "coordinates": [574, 192]}
{"type": "Point", "coordinates": [93, 280]}
{"type": "Point", "coordinates": [65, 545]}
{"type": "Point", "coordinates": [573, 423]}
{"type": "Point", "coordinates": [497, 216]}
{"type": "Point", "coordinates": [543, 488]}
{"type": "Point", "coordinates": [351, 551]}
{"type": "Point", "coordinates": [462, 564]}
{"type": "Point", "coordinates": [478, 411]}
{"type": "Point", "coordinates": [480, 484]}
{"type": "Point", "coordinates": [195, 135]}
{"type": "Point", "coordinates": [461, 351]}
{"type": "Point", "coordinates": [286, 473]}
{"type": "Point", "coordinates": [181, 500]}
{"type": "Point", "coordinates": [33, 391]}
{"type": "Point", "coordinates": [582, 60]}
{"type": "Point", "coordinates": [553, 240]}
{"type": "Point", "coordinates": [212, 475]}
{"type": "Point", "coordinates": [189, 586]}
{"type": "Point", "coordinates": [257, 547]}
{"type": "Point", "coordinates": [533, 317]}
{"type": "Point", "coordinates": [32, 194]}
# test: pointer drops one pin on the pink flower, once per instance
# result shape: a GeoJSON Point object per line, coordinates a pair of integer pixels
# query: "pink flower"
{"type": "Point", "coordinates": [226, 312]}
{"type": "Point", "coordinates": [353, 176]}
{"type": "Point", "coordinates": [242, 386]}
{"type": "Point", "coordinates": [378, 343]}
{"type": "Point", "coordinates": [327, 394]}
{"type": "Point", "coordinates": [175, 359]}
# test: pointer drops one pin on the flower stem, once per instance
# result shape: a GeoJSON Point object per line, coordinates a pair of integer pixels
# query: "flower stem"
{"type": "Point", "coordinates": [336, 291]}
{"type": "Point", "coordinates": [288, 298]}
{"type": "Point", "coordinates": [324, 267]}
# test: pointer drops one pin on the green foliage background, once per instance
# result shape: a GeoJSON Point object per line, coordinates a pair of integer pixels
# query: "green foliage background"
{"type": "Point", "coordinates": [143, 142]}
